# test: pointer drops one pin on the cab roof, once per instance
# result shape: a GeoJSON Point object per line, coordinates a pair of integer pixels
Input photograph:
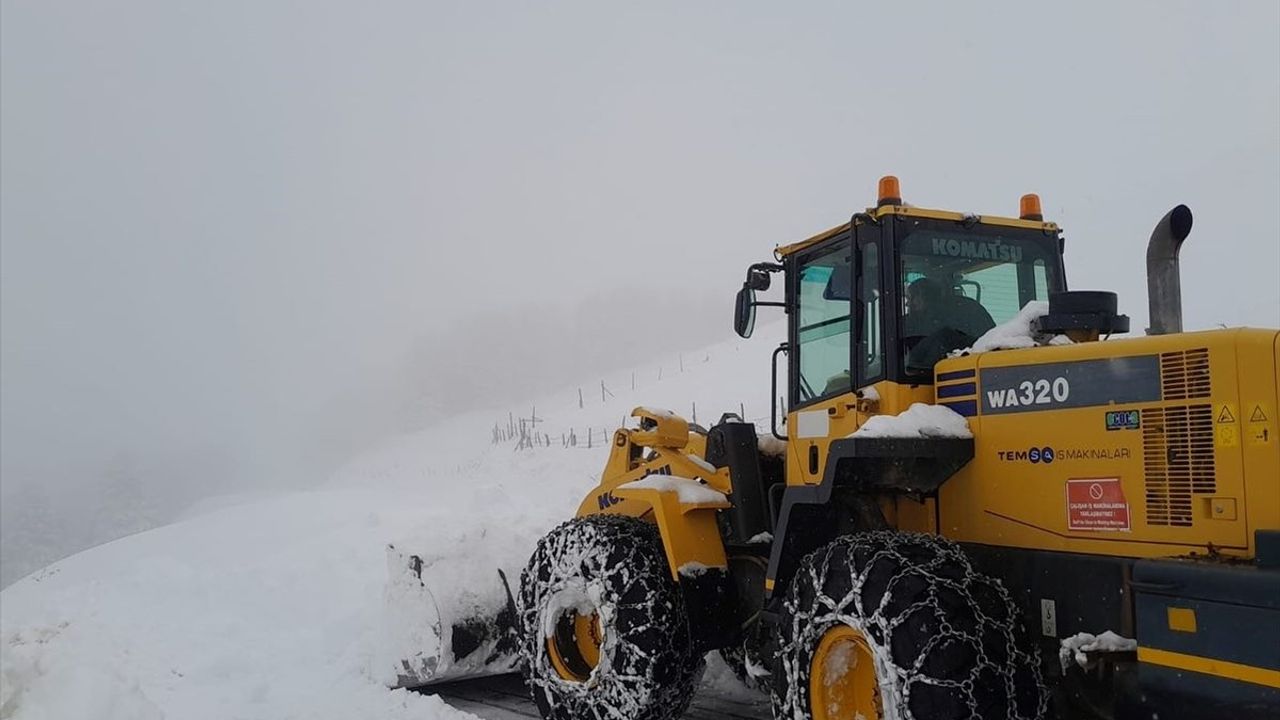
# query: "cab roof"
{"type": "Point", "coordinates": [909, 211]}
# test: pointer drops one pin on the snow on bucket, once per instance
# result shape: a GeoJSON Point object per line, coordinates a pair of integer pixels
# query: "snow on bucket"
{"type": "Point", "coordinates": [448, 615]}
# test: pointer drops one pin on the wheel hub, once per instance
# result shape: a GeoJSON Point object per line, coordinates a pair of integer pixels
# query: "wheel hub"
{"type": "Point", "coordinates": [842, 678]}
{"type": "Point", "coordinates": [574, 647]}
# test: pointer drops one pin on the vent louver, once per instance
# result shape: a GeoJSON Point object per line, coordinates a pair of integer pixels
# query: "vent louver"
{"type": "Point", "coordinates": [1184, 375]}
{"type": "Point", "coordinates": [1177, 448]}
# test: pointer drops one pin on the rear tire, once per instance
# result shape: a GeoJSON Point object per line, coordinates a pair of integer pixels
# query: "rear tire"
{"type": "Point", "coordinates": [944, 640]}
{"type": "Point", "coordinates": [604, 630]}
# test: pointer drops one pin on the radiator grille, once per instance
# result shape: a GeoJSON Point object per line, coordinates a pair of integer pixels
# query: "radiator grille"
{"type": "Point", "coordinates": [1184, 375]}
{"type": "Point", "coordinates": [1177, 448]}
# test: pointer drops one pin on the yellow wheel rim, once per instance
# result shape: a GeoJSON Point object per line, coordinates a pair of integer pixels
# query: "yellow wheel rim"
{"type": "Point", "coordinates": [574, 648]}
{"type": "Point", "coordinates": [842, 678]}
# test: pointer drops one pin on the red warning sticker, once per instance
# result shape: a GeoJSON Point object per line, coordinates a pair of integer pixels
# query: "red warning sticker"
{"type": "Point", "coordinates": [1096, 504]}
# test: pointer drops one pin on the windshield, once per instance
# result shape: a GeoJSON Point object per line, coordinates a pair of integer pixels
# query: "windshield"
{"type": "Point", "coordinates": [958, 285]}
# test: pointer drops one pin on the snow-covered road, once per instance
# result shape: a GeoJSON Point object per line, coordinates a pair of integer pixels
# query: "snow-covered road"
{"type": "Point", "coordinates": [505, 698]}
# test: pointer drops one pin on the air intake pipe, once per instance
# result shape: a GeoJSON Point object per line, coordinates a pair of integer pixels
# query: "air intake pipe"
{"type": "Point", "coordinates": [1164, 280]}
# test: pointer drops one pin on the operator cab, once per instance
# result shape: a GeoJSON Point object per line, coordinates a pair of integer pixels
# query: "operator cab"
{"type": "Point", "coordinates": [890, 293]}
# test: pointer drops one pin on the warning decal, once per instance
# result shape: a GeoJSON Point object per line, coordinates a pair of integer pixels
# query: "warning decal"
{"type": "Point", "coordinates": [1096, 504]}
{"type": "Point", "coordinates": [1259, 431]}
{"type": "Point", "coordinates": [1226, 432]}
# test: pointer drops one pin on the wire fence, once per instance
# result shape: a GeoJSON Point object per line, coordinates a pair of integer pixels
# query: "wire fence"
{"type": "Point", "coordinates": [531, 431]}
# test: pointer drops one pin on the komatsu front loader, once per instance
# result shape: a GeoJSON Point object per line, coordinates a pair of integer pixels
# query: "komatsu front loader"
{"type": "Point", "coordinates": [981, 502]}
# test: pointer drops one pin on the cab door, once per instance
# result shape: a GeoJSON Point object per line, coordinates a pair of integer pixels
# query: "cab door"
{"type": "Point", "coordinates": [821, 369]}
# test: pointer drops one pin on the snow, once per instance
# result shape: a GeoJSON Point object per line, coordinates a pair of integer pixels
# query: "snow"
{"type": "Point", "coordinates": [763, 538]}
{"type": "Point", "coordinates": [754, 669]}
{"type": "Point", "coordinates": [693, 569]}
{"type": "Point", "coordinates": [919, 421]}
{"type": "Point", "coordinates": [658, 412]}
{"type": "Point", "coordinates": [721, 680]}
{"type": "Point", "coordinates": [842, 659]}
{"type": "Point", "coordinates": [770, 445]}
{"type": "Point", "coordinates": [869, 393]}
{"type": "Point", "coordinates": [295, 605]}
{"type": "Point", "coordinates": [262, 610]}
{"type": "Point", "coordinates": [579, 599]}
{"type": "Point", "coordinates": [688, 492]}
{"type": "Point", "coordinates": [703, 465]}
{"type": "Point", "coordinates": [66, 689]}
{"type": "Point", "coordinates": [459, 580]}
{"type": "Point", "coordinates": [1014, 334]}
{"type": "Point", "coordinates": [1077, 646]}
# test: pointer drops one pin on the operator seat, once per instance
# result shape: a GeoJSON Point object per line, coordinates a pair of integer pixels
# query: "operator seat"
{"type": "Point", "coordinates": [969, 317]}
{"type": "Point", "coordinates": [958, 322]}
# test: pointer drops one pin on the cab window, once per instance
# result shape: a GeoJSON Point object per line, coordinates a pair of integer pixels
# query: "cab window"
{"type": "Point", "coordinates": [824, 290]}
{"type": "Point", "coordinates": [957, 286]}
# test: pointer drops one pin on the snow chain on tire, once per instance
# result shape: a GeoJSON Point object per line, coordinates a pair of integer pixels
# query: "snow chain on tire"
{"type": "Point", "coordinates": [647, 668]}
{"type": "Point", "coordinates": [946, 639]}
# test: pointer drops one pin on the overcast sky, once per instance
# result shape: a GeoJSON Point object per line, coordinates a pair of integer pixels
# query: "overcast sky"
{"type": "Point", "coordinates": [236, 236]}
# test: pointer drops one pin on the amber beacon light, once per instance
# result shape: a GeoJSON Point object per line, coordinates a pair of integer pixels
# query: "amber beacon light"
{"type": "Point", "coordinates": [890, 193]}
{"type": "Point", "coordinates": [1029, 207]}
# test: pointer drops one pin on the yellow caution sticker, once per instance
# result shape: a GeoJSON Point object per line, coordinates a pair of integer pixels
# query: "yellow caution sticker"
{"type": "Point", "coordinates": [1228, 436]}
{"type": "Point", "coordinates": [1226, 432]}
{"type": "Point", "coordinates": [1259, 429]}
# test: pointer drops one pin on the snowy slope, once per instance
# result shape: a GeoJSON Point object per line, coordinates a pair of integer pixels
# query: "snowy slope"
{"type": "Point", "coordinates": [270, 607]}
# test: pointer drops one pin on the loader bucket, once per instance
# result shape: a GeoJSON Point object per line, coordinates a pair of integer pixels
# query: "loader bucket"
{"type": "Point", "coordinates": [442, 623]}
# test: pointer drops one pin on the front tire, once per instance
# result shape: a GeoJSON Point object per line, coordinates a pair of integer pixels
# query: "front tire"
{"type": "Point", "coordinates": [604, 630]}
{"type": "Point", "coordinates": [895, 625]}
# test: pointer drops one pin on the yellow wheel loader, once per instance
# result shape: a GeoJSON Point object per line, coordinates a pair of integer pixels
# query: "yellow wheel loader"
{"type": "Point", "coordinates": [978, 503]}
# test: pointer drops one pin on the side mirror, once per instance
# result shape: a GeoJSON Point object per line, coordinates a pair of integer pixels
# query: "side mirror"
{"type": "Point", "coordinates": [744, 312]}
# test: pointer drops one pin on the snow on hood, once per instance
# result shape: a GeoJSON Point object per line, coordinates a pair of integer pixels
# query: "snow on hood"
{"type": "Point", "coordinates": [1016, 333]}
{"type": "Point", "coordinates": [919, 421]}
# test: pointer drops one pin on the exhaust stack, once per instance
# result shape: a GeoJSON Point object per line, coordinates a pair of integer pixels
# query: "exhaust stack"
{"type": "Point", "coordinates": [1164, 279]}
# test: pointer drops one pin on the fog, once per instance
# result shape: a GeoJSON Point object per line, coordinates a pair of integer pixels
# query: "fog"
{"type": "Point", "coordinates": [241, 241]}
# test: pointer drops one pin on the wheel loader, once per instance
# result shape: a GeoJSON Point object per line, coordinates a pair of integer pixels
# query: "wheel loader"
{"type": "Point", "coordinates": [1099, 537]}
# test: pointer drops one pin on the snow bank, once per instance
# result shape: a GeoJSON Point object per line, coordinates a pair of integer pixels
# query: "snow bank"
{"type": "Point", "coordinates": [1077, 646]}
{"type": "Point", "coordinates": [688, 491]}
{"type": "Point", "coordinates": [35, 673]}
{"type": "Point", "coordinates": [276, 608]}
{"type": "Point", "coordinates": [263, 610]}
{"type": "Point", "coordinates": [919, 421]}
